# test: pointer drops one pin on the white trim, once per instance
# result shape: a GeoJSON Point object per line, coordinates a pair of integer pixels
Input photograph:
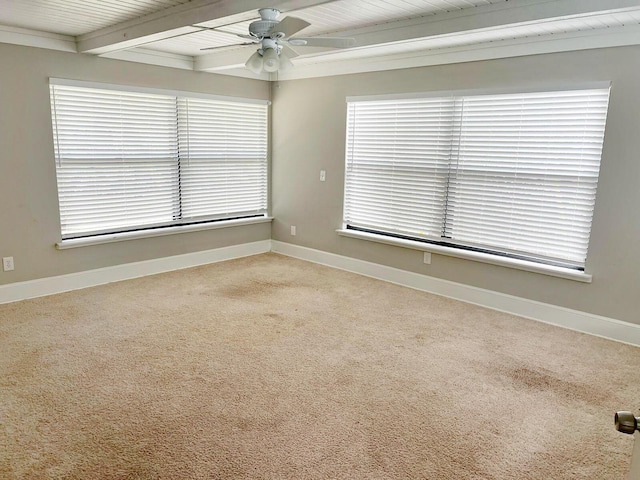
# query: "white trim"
{"type": "Point", "coordinates": [559, 316]}
{"type": "Point", "coordinates": [154, 91]}
{"type": "Point", "coordinates": [37, 38]}
{"type": "Point", "coordinates": [534, 267]}
{"type": "Point", "coordinates": [152, 57]}
{"type": "Point", "coordinates": [156, 232]}
{"type": "Point", "coordinates": [520, 47]}
{"type": "Point", "coordinates": [75, 281]}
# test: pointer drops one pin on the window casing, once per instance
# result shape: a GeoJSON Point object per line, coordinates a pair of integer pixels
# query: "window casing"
{"type": "Point", "coordinates": [145, 159]}
{"type": "Point", "coordinates": [512, 175]}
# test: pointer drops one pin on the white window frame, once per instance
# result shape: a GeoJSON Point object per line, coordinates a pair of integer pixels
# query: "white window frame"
{"type": "Point", "coordinates": [169, 228]}
{"type": "Point", "coordinates": [453, 248]}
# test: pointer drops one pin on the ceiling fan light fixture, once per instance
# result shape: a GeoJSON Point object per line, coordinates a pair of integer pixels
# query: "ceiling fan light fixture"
{"type": "Point", "coordinates": [271, 60]}
{"type": "Point", "coordinates": [285, 63]}
{"type": "Point", "coordinates": [255, 63]}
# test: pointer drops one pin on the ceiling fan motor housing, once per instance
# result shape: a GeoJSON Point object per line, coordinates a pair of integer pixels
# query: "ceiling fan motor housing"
{"type": "Point", "coordinates": [261, 28]}
{"type": "Point", "coordinates": [268, 20]}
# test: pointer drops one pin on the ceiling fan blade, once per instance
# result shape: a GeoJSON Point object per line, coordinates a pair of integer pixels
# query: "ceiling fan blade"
{"type": "Point", "coordinates": [228, 46]}
{"type": "Point", "coordinates": [289, 52]}
{"type": "Point", "coordinates": [289, 26]}
{"type": "Point", "coordinates": [247, 37]}
{"type": "Point", "coordinates": [332, 42]}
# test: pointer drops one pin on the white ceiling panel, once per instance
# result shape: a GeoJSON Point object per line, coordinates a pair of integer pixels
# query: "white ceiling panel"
{"type": "Point", "coordinates": [193, 44]}
{"type": "Point", "coordinates": [538, 30]}
{"type": "Point", "coordinates": [136, 30]}
{"type": "Point", "coordinates": [326, 19]}
{"type": "Point", "coordinates": [75, 17]}
{"type": "Point", "coordinates": [351, 14]}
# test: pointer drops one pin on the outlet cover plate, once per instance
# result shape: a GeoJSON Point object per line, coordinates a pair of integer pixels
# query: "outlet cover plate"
{"type": "Point", "coordinates": [7, 264]}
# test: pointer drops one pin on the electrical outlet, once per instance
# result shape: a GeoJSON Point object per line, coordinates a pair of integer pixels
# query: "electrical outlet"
{"type": "Point", "coordinates": [323, 175]}
{"type": "Point", "coordinates": [427, 258]}
{"type": "Point", "coordinates": [293, 230]}
{"type": "Point", "coordinates": [7, 264]}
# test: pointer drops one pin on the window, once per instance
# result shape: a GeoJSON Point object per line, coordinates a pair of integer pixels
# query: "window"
{"type": "Point", "coordinates": [132, 160]}
{"type": "Point", "coordinates": [511, 175]}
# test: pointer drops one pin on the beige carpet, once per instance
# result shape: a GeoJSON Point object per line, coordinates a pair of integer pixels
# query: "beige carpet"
{"type": "Point", "coordinates": [273, 368]}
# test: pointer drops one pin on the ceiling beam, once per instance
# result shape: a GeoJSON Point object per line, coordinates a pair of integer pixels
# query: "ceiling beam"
{"type": "Point", "coordinates": [37, 38]}
{"type": "Point", "coordinates": [562, 42]}
{"type": "Point", "coordinates": [179, 20]}
{"type": "Point", "coordinates": [153, 57]}
{"type": "Point", "coordinates": [515, 12]}
{"type": "Point", "coordinates": [223, 60]}
{"type": "Point", "coordinates": [512, 13]}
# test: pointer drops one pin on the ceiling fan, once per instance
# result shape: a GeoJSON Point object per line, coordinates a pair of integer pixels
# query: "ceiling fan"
{"type": "Point", "coordinates": [275, 38]}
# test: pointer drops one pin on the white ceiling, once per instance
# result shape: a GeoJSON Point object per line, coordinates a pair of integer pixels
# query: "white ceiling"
{"type": "Point", "coordinates": [389, 33]}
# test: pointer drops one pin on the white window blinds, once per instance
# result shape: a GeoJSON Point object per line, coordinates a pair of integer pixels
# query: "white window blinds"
{"type": "Point", "coordinates": [223, 148]}
{"type": "Point", "coordinates": [516, 174]}
{"type": "Point", "coordinates": [397, 165]}
{"type": "Point", "coordinates": [135, 160]}
{"type": "Point", "coordinates": [116, 159]}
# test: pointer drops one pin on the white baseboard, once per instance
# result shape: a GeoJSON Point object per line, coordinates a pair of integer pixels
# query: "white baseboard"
{"type": "Point", "coordinates": [75, 281]}
{"type": "Point", "coordinates": [563, 317]}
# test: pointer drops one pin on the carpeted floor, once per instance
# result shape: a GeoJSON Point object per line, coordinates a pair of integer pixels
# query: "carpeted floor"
{"type": "Point", "coordinates": [269, 367]}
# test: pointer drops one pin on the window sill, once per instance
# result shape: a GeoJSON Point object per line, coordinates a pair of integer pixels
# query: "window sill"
{"type": "Point", "coordinates": [156, 232]}
{"type": "Point", "coordinates": [475, 256]}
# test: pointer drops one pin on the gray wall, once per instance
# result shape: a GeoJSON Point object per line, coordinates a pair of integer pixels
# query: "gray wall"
{"type": "Point", "coordinates": [29, 218]}
{"type": "Point", "coordinates": [308, 133]}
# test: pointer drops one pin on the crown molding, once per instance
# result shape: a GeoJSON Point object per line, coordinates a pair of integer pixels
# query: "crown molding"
{"type": "Point", "coordinates": [152, 57]}
{"type": "Point", "coordinates": [627, 35]}
{"type": "Point", "coordinates": [37, 39]}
